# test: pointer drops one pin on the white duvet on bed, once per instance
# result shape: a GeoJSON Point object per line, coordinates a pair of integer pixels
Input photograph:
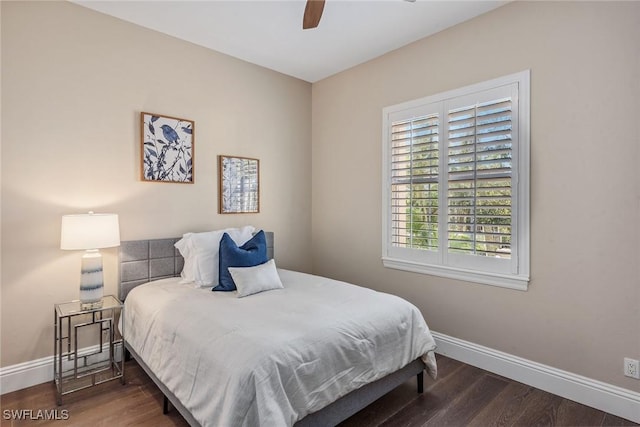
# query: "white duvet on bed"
{"type": "Point", "coordinates": [271, 358]}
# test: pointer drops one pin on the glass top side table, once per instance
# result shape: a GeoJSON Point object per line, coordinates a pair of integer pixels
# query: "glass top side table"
{"type": "Point", "coordinates": [88, 348]}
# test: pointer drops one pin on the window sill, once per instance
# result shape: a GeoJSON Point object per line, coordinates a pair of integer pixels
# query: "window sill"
{"type": "Point", "coordinates": [519, 283]}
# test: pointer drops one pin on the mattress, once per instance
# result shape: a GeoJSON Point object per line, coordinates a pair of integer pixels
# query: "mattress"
{"type": "Point", "coordinates": [273, 357]}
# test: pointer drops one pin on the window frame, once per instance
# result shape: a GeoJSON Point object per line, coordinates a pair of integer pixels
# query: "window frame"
{"type": "Point", "coordinates": [439, 263]}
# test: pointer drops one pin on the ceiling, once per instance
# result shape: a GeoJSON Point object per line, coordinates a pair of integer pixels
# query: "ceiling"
{"type": "Point", "coordinates": [269, 33]}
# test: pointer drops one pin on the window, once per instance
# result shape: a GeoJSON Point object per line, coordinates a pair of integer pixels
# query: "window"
{"type": "Point", "coordinates": [456, 183]}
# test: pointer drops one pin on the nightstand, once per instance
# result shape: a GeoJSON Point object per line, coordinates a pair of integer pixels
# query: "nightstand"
{"type": "Point", "coordinates": [88, 349]}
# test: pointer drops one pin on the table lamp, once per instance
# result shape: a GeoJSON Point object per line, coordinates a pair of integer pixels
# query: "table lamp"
{"type": "Point", "coordinates": [90, 232]}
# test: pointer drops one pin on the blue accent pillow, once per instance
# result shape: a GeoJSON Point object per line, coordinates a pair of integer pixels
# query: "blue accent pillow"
{"type": "Point", "coordinates": [252, 253]}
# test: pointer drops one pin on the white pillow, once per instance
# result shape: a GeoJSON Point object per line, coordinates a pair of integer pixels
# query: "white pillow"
{"type": "Point", "coordinates": [251, 280]}
{"type": "Point", "coordinates": [201, 254]}
{"type": "Point", "coordinates": [184, 245]}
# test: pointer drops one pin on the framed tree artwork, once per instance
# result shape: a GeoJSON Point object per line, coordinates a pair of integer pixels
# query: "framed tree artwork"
{"type": "Point", "coordinates": [167, 148]}
{"type": "Point", "coordinates": [239, 185]}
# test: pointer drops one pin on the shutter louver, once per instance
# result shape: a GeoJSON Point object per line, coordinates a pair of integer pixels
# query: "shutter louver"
{"type": "Point", "coordinates": [414, 183]}
{"type": "Point", "coordinates": [479, 179]}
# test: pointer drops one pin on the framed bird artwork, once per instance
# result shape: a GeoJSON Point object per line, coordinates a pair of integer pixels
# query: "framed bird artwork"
{"type": "Point", "coordinates": [167, 148]}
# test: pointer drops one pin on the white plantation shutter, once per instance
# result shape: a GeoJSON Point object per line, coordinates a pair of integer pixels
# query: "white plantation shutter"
{"type": "Point", "coordinates": [479, 174]}
{"type": "Point", "coordinates": [456, 183]}
{"type": "Point", "coordinates": [414, 177]}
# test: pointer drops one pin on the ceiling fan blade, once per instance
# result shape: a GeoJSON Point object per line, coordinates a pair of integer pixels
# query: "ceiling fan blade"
{"type": "Point", "coordinates": [312, 14]}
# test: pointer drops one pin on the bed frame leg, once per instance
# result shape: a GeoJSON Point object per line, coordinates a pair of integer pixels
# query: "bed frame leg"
{"type": "Point", "coordinates": [420, 378]}
{"type": "Point", "coordinates": [165, 405]}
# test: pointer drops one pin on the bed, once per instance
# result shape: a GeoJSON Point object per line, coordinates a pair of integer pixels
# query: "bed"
{"type": "Point", "coordinates": [309, 354]}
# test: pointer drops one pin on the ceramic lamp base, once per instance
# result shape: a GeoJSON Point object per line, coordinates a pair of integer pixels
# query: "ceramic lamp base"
{"type": "Point", "coordinates": [91, 279]}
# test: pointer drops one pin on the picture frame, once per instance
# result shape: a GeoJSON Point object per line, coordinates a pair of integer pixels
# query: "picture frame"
{"type": "Point", "coordinates": [167, 148]}
{"type": "Point", "coordinates": [239, 185]}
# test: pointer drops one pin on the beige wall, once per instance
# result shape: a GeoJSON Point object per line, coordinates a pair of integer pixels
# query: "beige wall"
{"type": "Point", "coordinates": [73, 84]}
{"type": "Point", "coordinates": [581, 312]}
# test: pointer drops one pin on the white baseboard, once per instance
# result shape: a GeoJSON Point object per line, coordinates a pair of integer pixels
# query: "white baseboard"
{"type": "Point", "coordinates": [34, 372]}
{"type": "Point", "coordinates": [27, 374]}
{"type": "Point", "coordinates": [605, 397]}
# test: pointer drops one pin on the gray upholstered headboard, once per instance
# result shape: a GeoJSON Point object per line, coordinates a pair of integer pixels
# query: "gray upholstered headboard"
{"type": "Point", "coordinates": [142, 261]}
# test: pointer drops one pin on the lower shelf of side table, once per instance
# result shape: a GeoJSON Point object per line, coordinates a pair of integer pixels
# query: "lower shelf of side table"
{"type": "Point", "coordinates": [88, 376]}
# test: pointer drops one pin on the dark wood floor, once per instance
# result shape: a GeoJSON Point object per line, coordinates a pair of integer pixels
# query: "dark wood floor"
{"type": "Point", "coordinates": [462, 396]}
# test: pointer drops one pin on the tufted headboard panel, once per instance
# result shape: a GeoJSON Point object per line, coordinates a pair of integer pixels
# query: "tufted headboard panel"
{"type": "Point", "coordinates": [142, 261]}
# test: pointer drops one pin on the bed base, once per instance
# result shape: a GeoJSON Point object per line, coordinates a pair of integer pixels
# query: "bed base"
{"type": "Point", "coordinates": [330, 415]}
{"type": "Point", "coordinates": [359, 399]}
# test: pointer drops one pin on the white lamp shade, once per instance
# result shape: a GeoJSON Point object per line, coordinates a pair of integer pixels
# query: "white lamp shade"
{"type": "Point", "coordinates": [89, 231]}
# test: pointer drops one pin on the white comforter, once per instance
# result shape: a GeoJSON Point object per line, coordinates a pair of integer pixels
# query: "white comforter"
{"type": "Point", "coordinates": [271, 358]}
